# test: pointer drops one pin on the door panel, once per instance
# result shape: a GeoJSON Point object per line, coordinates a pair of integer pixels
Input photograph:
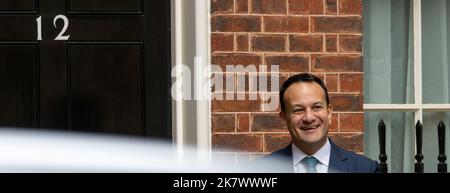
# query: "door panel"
{"type": "Point", "coordinates": [53, 109]}
{"type": "Point", "coordinates": [106, 80]}
{"type": "Point", "coordinates": [112, 75]}
{"type": "Point", "coordinates": [17, 28]}
{"type": "Point", "coordinates": [18, 81]}
{"type": "Point", "coordinates": [106, 28]}
{"type": "Point", "coordinates": [104, 6]}
{"type": "Point", "coordinates": [17, 5]}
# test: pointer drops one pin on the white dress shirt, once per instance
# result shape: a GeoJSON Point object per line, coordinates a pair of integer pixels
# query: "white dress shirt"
{"type": "Point", "coordinates": [322, 155]}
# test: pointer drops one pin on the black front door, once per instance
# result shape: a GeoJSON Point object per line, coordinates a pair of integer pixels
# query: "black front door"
{"type": "Point", "coordinates": [86, 65]}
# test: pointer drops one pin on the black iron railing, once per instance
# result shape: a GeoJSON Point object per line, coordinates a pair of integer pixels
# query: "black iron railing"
{"type": "Point", "coordinates": [442, 166]}
{"type": "Point", "coordinates": [419, 165]}
{"type": "Point", "coordinates": [382, 141]}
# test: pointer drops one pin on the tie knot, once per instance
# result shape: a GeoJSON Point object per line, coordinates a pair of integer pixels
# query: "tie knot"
{"type": "Point", "coordinates": [310, 163]}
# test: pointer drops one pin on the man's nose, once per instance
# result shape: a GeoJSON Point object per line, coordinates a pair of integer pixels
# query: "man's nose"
{"type": "Point", "coordinates": [309, 116]}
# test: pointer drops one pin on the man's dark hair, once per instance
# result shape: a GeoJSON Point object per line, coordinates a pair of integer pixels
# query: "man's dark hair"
{"type": "Point", "coordinates": [303, 77]}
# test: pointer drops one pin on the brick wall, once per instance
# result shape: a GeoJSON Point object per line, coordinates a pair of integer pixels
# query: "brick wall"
{"type": "Point", "coordinates": [323, 37]}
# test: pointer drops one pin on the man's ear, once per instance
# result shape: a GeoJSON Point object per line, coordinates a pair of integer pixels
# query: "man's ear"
{"type": "Point", "coordinates": [282, 117]}
{"type": "Point", "coordinates": [330, 112]}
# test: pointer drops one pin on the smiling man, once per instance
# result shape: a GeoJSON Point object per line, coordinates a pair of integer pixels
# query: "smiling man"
{"type": "Point", "coordinates": [306, 112]}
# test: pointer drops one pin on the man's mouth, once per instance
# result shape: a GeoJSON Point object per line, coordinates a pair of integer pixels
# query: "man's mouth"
{"type": "Point", "coordinates": [309, 127]}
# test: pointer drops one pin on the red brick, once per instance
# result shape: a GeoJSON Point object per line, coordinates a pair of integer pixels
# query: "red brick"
{"type": "Point", "coordinates": [331, 43]}
{"type": "Point", "coordinates": [246, 83]}
{"type": "Point", "coordinates": [218, 96]}
{"type": "Point", "coordinates": [334, 123]}
{"type": "Point", "coordinates": [237, 143]}
{"type": "Point", "coordinates": [242, 44]}
{"type": "Point", "coordinates": [286, 24]}
{"type": "Point", "coordinates": [242, 6]}
{"type": "Point", "coordinates": [350, 7]}
{"type": "Point", "coordinates": [346, 102]}
{"type": "Point", "coordinates": [269, 78]}
{"type": "Point", "coordinates": [306, 43]}
{"type": "Point", "coordinates": [320, 75]}
{"type": "Point", "coordinates": [283, 78]}
{"type": "Point", "coordinates": [275, 142]}
{"type": "Point", "coordinates": [268, 6]}
{"type": "Point", "coordinates": [216, 77]}
{"type": "Point", "coordinates": [351, 83]}
{"type": "Point", "coordinates": [243, 123]}
{"type": "Point", "coordinates": [269, 43]}
{"type": "Point", "coordinates": [235, 105]}
{"type": "Point", "coordinates": [305, 7]}
{"type": "Point", "coordinates": [350, 43]}
{"type": "Point", "coordinates": [352, 122]}
{"type": "Point", "coordinates": [351, 142]}
{"type": "Point", "coordinates": [271, 102]}
{"type": "Point", "coordinates": [289, 63]}
{"type": "Point", "coordinates": [332, 82]}
{"type": "Point", "coordinates": [221, 6]}
{"type": "Point", "coordinates": [223, 123]}
{"type": "Point", "coordinates": [331, 7]}
{"type": "Point", "coordinates": [232, 23]}
{"type": "Point", "coordinates": [336, 24]}
{"type": "Point", "coordinates": [222, 42]}
{"type": "Point", "coordinates": [236, 82]}
{"type": "Point", "coordinates": [235, 59]}
{"type": "Point", "coordinates": [267, 122]}
{"type": "Point", "coordinates": [264, 78]}
{"type": "Point", "coordinates": [337, 63]}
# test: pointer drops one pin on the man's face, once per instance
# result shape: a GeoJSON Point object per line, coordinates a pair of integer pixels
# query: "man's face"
{"type": "Point", "coordinates": [307, 114]}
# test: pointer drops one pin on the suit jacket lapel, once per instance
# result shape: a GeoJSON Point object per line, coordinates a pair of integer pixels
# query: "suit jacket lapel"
{"type": "Point", "coordinates": [278, 161]}
{"type": "Point", "coordinates": [337, 160]}
{"type": "Point", "coordinates": [286, 155]}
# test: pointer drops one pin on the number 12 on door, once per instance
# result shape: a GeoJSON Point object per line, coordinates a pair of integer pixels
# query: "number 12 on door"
{"type": "Point", "coordinates": [61, 35]}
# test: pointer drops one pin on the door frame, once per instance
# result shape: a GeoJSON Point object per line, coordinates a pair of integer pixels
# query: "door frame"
{"type": "Point", "coordinates": [191, 119]}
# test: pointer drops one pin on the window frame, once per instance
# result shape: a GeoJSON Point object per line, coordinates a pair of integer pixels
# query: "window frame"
{"type": "Point", "coordinates": [417, 107]}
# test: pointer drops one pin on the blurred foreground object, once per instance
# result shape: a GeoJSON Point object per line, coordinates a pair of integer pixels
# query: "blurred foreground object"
{"type": "Point", "coordinates": [49, 151]}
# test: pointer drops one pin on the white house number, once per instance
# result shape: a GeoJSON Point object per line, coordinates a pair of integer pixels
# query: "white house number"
{"type": "Point", "coordinates": [61, 35]}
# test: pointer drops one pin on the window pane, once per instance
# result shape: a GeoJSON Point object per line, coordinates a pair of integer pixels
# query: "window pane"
{"type": "Point", "coordinates": [430, 139]}
{"type": "Point", "coordinates": [388, 53]}
{"type": "Point", "coordinates": [399, 139]}
{"type": "Point", "coordinates": [435, 51]}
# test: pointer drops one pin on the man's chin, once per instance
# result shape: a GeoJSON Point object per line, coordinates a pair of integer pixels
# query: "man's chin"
{"type": "Point", "coordinates": [313, 141]}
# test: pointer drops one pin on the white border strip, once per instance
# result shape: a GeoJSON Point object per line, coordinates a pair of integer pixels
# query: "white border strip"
{"type": "Point", "coordinates": [406, 107]}
{"type": "Point", "coordinates": [177, 43]}
{"type": "Point", "coordinates": [417, 25]}
{"type": "Point", "coordinates": [391, 107]}
{"type": "Point", "coordinates": [436, 107]}
{"type": "Point", "coordinates": [202, 64]}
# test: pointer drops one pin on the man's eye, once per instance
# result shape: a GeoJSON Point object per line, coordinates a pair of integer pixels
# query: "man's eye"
{"type": "Point", "coordinates": [297, 110]}
{"type": "Point", "coordinates": [318, 107]}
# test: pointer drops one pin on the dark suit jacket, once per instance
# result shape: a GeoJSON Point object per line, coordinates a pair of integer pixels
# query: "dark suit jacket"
{"type": "Point", "coordinates": [341, 161]}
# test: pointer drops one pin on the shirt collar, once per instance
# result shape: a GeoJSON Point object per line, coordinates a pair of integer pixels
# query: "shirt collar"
{"type": "Point", "coordinates": [323, 154]}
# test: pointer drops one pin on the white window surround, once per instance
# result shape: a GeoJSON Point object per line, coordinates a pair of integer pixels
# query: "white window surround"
{"type": "Point", "coordinates": [417, 107]}
{"type": "Point", "coordinates": [190, 46]}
